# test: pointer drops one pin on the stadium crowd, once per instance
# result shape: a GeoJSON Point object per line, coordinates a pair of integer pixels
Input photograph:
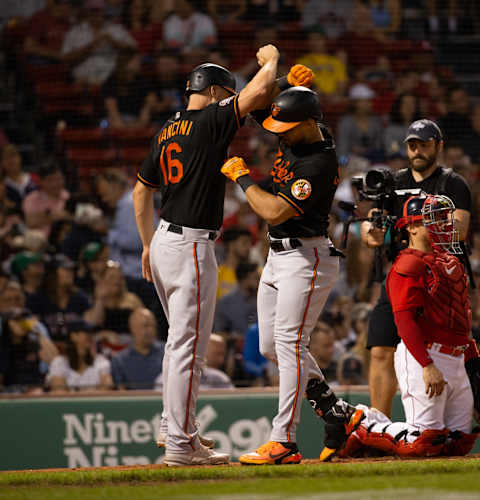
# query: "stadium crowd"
{"type": "Point", "coordinates": [85, 86]}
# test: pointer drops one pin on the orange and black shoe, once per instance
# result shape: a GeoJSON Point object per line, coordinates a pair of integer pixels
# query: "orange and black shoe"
{"type": "Point", "coordinates": [343, 421]}
{"type": "Point", "coordinates": [273, 453]}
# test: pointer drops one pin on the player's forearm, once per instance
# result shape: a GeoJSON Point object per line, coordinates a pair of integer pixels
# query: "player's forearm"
{"type": "Point", "coordinates": [266, 205]}
{"type": "Point", "coordinates": [257, 94]}
{"type": "Point", "coordinates": [144, 212]}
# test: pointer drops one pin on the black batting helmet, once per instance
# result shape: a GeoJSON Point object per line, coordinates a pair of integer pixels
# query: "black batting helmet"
{"type": "Point", "coordinates": [412, 211]}
{"type": "Point", "coordinates": [291, 107]}
{"type": "Point", "coordinates": [209, 74]}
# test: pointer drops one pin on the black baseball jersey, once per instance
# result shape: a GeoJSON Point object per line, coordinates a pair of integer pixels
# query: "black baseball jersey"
{"type": "Point", "coordinates": [306, 176]}
{"type": "Point", "coordinates": [185, 160]}
{"type": "Point", "coordinates": [456, 188]}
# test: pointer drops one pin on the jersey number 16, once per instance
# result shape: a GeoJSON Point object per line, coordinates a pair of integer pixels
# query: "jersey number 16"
{"type": "Point", "coordinates": [173, 172]}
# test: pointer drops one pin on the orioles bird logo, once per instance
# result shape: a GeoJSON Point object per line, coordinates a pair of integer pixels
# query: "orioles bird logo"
{"type": "Point", "coordinates": [275, 110]}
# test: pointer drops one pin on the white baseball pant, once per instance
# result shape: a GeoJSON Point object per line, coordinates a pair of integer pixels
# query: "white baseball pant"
{"type": "Point", "coordinates": [293, 289]}
{"type": "Point", "coordinates": [184, 271]}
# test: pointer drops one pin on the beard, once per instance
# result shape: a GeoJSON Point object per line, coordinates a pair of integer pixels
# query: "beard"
{"type": "Point", "coordinates": [425, 164]}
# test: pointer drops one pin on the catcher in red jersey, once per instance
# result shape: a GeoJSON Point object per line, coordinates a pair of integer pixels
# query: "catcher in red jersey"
{"type": "Point", "coordinates": [436, 362]}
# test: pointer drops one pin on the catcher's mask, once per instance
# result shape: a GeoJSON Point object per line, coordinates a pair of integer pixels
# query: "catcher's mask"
{"type": "Point", "coordinates": [436, 212]}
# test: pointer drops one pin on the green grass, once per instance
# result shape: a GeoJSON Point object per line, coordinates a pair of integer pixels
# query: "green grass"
{"type": "Point", "coordinates": [439, 479]}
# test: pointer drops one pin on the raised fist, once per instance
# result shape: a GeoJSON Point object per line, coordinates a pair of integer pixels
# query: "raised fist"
{"type": "Point", "coordinates": [300, 75]}
{"type": "Point", "coordinates": [266, 53]}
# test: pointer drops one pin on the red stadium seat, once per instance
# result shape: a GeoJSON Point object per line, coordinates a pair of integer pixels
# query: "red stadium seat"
{"type": "Point", "coordinates": [133, 157]}
{"type": "Point", "coordinates": [132, 137]}
{"type": "Point", "coordinates": [92, 158]}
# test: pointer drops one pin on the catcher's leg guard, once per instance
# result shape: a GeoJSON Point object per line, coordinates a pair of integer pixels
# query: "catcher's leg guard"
{"type": "Point", "coordinates": [320, 396]}
{"type": "Point", "coordinates": [429, 443]}
{"type": "Point", "coordinates": [459, 443]}
{"type": "Point", "coordinates": [352, 447]}
{"type": "Point", "coordinates": [378, 440]}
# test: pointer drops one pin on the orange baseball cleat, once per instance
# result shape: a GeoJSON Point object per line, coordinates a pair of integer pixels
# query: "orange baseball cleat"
{"type": "Point", "coordinates": [273, 453]}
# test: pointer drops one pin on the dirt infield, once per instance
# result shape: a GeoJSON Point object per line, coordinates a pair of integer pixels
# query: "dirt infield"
{"type": "Point", "coordinates": [336, 461]}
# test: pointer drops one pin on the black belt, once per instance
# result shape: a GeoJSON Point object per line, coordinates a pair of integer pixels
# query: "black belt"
{"type": "Point", "coordinates": [278, 246]}
{"type": "Point", "coordinates": [173, 228]}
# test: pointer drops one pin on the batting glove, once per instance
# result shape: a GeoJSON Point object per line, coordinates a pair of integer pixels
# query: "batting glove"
{"type": "Point", "coordinates": [300, 75]}
{"type": "Point", "coordinates": [234, 168]}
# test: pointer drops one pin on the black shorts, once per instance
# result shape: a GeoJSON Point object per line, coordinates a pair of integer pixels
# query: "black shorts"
{"type": "Point", "coordinates": [381, 326]}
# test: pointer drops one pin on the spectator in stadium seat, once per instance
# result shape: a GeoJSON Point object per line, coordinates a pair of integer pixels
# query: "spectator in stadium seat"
{"type": "Point", "coordinates": [224, 12]}
{"type": "Point", "coordinates": [332, 15]}
{"type": "Point", "coordinates": [113, 303]}
{"type": "Point", "coordinates": [350, 370]}
{"type": "Point", "coordinates": [46, 205]}
{"type": "Point", "coordinates": [213, 376]}
{"type": "Point", "coordinates": [60, 301]}
{"type": "Point", "coordinates": [11, 295]}
{"type": "Point", "coordinates": [126, 95]}
{"type": "Point", "coordinates": [456, 123]}
{"type": "Point", "coordinates": [186, 28]}
{"type": "Point", "coordinates": [92, 263]}
{"type": "Point", "coordinates": [138, 366]}
{"type": "Point", "coordinates": [23, 347]}
{"type": "Point", "coordinates": [360, 132]}
{"type": "Point", "coordinates": [46, 32]}
{"type": "Point", "coordinates": [471, 142]}
{"type": "Point", "coordinates": [330, 71]}
{"type": "Point", "coordinates": [122, 238]}
{"type": "Point", "coordinates": [361, 42]}
{"type": "Point", "coordinates": [405, 110]}
{"type": "Point", "coordinates": [138, 21]}
{"type": "Point", "coordinates": [166, 86]}
{"type": "Point", "coordinates": [80, 368]}
{"type": "Point", "coordinates": [321, 347]}
{"type": "Point", "coordinates": [18, 183]}
{"type": "Point", "coordinates": [386, 16]}
{"type": "Point", "coordinates": [88, 224]}
{"type": "Point", "coordinates": [93, 45]}
{"type": "Point", "coordinates": [237, 242]}
{"type": "Point", "coordinates": [237, 310]}
{"type": "Point", "coordinates": [436, 16]}
{"type": "Point", "coordinates": [29, 267]}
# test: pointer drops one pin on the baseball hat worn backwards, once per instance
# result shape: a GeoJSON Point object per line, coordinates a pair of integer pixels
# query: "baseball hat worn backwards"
{"type": "Point", "coordinates": [291, 107]}
{"type": "Point", "coordinates": [424, 130]}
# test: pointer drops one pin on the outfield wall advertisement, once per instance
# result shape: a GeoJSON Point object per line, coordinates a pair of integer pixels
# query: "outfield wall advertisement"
{"type": "Point", "coordinates": [111, 431]}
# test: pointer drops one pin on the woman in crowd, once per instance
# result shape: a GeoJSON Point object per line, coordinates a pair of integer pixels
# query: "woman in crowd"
{"type": "Point", "coordinates": [405, 110]}
{"type": "Point", "coordinates": [113, 302]}
{"type": "Point", "coordinates": [80, 368]}
{"type": "Point", "coordinates": [61, 301]}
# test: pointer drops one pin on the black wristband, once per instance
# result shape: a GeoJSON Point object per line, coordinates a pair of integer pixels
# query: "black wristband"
{"type": "Point", "coordinates": [245, 181]}
{"type": "Point", "coordinates": [282, 83]}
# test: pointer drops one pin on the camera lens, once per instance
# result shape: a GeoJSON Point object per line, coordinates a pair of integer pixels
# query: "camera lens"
{"type": "Point", "coordinates": [375, 180]}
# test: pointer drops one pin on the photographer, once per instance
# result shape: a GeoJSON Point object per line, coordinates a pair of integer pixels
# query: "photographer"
{"type": "Point", "coordinates": [424, 144]}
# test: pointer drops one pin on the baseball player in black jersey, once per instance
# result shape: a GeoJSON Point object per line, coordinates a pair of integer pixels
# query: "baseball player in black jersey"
{"type": "Point", "coordinates": [424, 144]}
{"type": "Point", "coordinates": [184, 165]}
{"type": "Point", "coordinates": [301, 268]}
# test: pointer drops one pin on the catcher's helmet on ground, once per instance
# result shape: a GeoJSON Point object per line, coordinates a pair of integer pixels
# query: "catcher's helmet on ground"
{"type": "Point", "coordinates": [291, 107]}
{"type": "Point", "coordinates": [208, 74]}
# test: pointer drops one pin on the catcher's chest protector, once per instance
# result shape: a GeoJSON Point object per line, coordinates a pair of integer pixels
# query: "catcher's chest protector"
{"type": "Point", "coordinates": [444, 276]}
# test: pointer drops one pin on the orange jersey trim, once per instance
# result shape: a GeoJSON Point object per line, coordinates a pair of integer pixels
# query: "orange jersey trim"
{"type": "Point", "coordinates": [294, 205]}
{"type": "Point", "coordinates": [237, 111]}
{"type": "Point", "coordinates": [143, 181]}
{"type": "Point", "coordinates": [197, 324]}
{"type": "Point", "coordinates": [297, 345]}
